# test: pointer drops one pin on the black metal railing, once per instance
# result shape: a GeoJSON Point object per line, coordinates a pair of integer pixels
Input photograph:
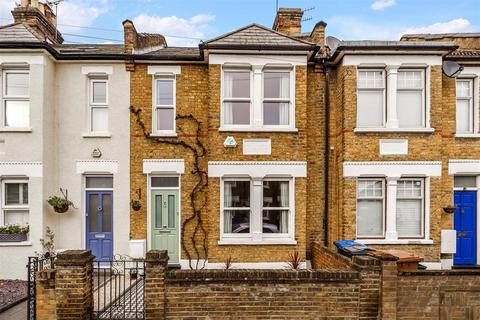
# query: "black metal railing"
{"type": "Point", "coordinates": [34, 265]}
{"type": "Point", "coordinates": [119, 288]}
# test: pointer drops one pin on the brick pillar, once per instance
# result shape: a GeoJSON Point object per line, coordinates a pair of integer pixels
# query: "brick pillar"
{"type": "Point", "coordinates": [370, 271]}
{"type": "Point", "coordinates": [46, 302]}
{"type": "Point", "coordinates": [74, 284]}
{"type": "Point", "coordinates": [155, 267]}
{"type": "Point", "coordinates": [388, 288]}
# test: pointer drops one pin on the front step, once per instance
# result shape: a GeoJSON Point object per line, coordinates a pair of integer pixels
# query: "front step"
{"type": "Point", "coordinates": [470, 266]}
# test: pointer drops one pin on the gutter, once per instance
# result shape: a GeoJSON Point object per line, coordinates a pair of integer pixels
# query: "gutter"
{"type": "Point", "coordinates": [326, 153]}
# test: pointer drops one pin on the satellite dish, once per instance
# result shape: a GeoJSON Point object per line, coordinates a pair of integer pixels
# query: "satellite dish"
{"type": "Point", "coordinates": [451, 69]}
{"type": "Point", "coordinates": [333, 43]}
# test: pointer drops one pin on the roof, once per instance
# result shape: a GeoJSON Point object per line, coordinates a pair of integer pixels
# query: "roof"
{"type": "Point", "coordinates": [431, 36]}
{"type": "Point", "coordinates": [185, 52]}
{"type": "Point", "coordinates": [376, 45]}
{"type": "Point", "coordinates": [255, 36]}
{"type": "Point", "coordinates": [89, 49]}
{"type": "Point", "coordinates": [18, 32]}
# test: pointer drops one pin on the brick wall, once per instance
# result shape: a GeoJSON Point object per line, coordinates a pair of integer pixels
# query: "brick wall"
{"type": "Point", "coordinates": [452, 294]}
{"type": "Point", "coordinates": [326, 258]}
{"type": "Point", "coordinates": [46, 301]}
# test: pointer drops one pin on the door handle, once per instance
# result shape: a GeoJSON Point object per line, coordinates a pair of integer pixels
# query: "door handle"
{"type": "Point", "coordinates": [462, 211]}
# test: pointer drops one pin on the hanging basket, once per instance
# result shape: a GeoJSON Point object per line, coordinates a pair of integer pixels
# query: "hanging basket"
{"type": "Point", "coordinates": [449, 209]}
{"type": "Point", "coordinates": [136, 205]}
{"type": "Point", "coordinates": [61, 209]}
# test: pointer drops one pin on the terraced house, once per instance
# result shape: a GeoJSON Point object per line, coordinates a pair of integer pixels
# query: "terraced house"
{"type": "Point", "coordinates": [247, 148]}
{"type": "Point", "coordinates": [223, 140]}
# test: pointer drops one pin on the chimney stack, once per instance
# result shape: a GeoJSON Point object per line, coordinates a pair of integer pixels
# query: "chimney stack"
{"type": "Point", "coordinates": [288, 21]}
{"type": "Point", "coordinates": [40, 17]}
{"type": "Point", "coordinates": [318, 34]}
{"type": "Point", "coordinates": [141, 42]}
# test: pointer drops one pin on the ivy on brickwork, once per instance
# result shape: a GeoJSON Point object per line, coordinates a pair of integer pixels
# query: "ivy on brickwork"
{"type": "Point", "coordinates": [198, 151]}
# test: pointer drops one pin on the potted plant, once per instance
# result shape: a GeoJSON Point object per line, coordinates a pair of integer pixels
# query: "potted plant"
{"type": "Point", "coordinates": [13, 233]}
{"type": "Point", "coordinates": [136, 205]}
{"type": "Point", "coordinates": [60, 204]}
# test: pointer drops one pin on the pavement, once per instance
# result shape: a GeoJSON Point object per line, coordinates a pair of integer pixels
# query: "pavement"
{"type": "Point", "coordinates": [18, 312]}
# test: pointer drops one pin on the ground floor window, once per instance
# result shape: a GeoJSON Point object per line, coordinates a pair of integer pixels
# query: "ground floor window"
{"type": "Point", "coordinates": [15, 206]}
{"type": "Point", "coordinates": [408, 207]}
{"type": "Point", "coordinates": [260, 207]}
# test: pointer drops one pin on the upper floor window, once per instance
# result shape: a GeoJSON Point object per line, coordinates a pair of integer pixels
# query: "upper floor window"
{"type": "Point", "coordinates": [164, 105]}
{"type": "Point", "coordinates": [276, 98]}
{"type": "Point", "coordinates": [371, 98]}
{"type": "Point", "coordinates": [465, 106]}
{"type": "Point", "coordinates": [16, 98]}
{"type": "Point", "coordinates": [98, 106]}
{"type": "Point", "coordinates": [410, 99]}
{"type": "Point", "coordinates": [392, 99]}
{"type": "Point", "coordinates": [15, 208]}
{"type": "Point", "coordinates": [237, 97]}
{"type": "Point", "coordinates": [258, 99]}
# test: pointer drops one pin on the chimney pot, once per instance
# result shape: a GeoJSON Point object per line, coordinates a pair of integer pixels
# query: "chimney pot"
{"type": "Point", "coordinates": [288, 21]}
{"type": "Point", "coordinates": [24, 3]}
{"type": "Point", "coordinates": [34, 3]}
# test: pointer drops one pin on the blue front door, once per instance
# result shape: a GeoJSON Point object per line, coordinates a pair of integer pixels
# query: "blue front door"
{"type": "Point", "coordinates": [99, 224]}
{"type": "Point", "coordinates": [465, 223]}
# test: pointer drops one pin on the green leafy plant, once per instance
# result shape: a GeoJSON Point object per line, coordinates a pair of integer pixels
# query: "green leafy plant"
{"type": "Point", "coordinates": [13, 229]}
{"type": "Point", "coordinates": [60, 204]}
{"type": "Point", "coordinates": [48, 244]}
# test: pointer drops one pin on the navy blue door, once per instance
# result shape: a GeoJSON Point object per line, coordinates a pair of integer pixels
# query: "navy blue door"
{"type": "Point", "coordinates": [99, 224]}
{"type": "Point", "coordinates": [465, 223]}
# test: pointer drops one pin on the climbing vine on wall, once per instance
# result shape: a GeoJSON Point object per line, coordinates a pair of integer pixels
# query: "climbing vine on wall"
{"type": "Point", "coordinates": [197, 201]}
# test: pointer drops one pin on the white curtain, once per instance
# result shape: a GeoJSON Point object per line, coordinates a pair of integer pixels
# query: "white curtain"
{"type": "Point", "coordinates": [283, 113]}
{"type": "Point", "coordinates": [227, 93]}
{"type": "Point", "coordinates": [284, 83]}
{"type": "Point", "coordinates": [409, 218]}
{"type": "Point", "coordinates": [228, 112]}
{"type": "Point", "coordinates": [284, 197]}
{"type": "Point", "coordinates": [227, 218]}
{"type": "Point", "coordinates": [369, 218]}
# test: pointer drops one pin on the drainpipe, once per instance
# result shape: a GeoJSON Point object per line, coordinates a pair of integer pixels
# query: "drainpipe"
{"type": "Point", "coordinates": [326, 152]}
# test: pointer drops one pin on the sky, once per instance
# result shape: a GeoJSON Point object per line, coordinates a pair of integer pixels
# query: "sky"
{"type": "Point", "coordinates": [186, 22]}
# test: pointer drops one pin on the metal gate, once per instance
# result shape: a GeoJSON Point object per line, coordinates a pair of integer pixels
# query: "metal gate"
{"type": "Point", "coordinates": [119, 288]}
{"type": "Point", "coordinates": [34, 265]}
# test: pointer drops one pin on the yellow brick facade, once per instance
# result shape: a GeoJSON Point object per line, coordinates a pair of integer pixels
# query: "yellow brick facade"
{"type": "Point", "coordinates": [198, 93]}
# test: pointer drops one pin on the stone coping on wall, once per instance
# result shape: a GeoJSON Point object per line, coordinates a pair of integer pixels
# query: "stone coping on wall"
{"type": "Point", "coordinates": [250, 275]}
{"type": "Point", "coordinates": [430, 273]}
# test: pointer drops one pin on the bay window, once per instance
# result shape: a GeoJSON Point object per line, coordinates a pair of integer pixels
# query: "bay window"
{"type": "Point", "coordinates": [371, 98]}
{"type": "Point", "coordinates": [370, 208]}
{"type": "Point", "coordinates": [98, 106]}
{"type": "Point", "coordinates": [16, 98]}
{"type": "Point", "coordinates": [410, 99]}
{"type": "Point", "coordinates": [164, 105]}
{"type": "Point", "coordinates": [15, 208]}
{"type": "Point", "coordinates": [465, 107]}
{"type": "Point", "coordinates": [408, 211]}
{"type": "Point", "coordinates": [256, 210]}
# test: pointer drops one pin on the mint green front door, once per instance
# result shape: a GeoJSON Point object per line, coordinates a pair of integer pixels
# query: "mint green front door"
{"type": "Point", "coordinates": [165, 226]}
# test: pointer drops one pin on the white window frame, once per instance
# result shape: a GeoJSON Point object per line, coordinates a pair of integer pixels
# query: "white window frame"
{"type": "Point", "coordinates": [86, 176]}
{"type": "Point", "coordinates": [19, 207]}
{"type": "Point", "coordinates": [290, 100]}
{"type": "Point", "coordinates": [383, 198]}
{"type": "Point", "coordinates": [155, 106]}
{"type": "Point", "coordinates": [473, 128]}
{"type": "Point", "coordinates": [257, 98]}
{"type": "Point", "coordinates": [97, 105]}
{"type": "Point", "coordinates": [422, 206]}
{"type": "Point", "coordinates": [226, 69]}
{"type": "Point", "coordinates": [422, 90]}
{"type": "Point", "coordinates": [6, 98]}
{"type": "Point", "coordinates": [384, 90]}
{"type": "Point", "coordinates": [256, 235]}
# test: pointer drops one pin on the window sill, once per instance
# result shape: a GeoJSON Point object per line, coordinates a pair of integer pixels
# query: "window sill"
{"type": "Point", "coordinates": [394, 130]}
{"type": "Point", "coordinates": [398, 241]}
{"type": "Point", "coordinates": [163, 135]}
{"type": "Point", "coordinates": [248, 241]}
{"type": "Point", "coordinates": [467, 135]}
{"type": "Point", "coordinates": [256, 129]}
{"type": "Point", "coordinates": [96, 135]}
{"type": "Point", "coordinates": [16, 244]}
{"type": "Point", "coordinates": [24, 130]}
